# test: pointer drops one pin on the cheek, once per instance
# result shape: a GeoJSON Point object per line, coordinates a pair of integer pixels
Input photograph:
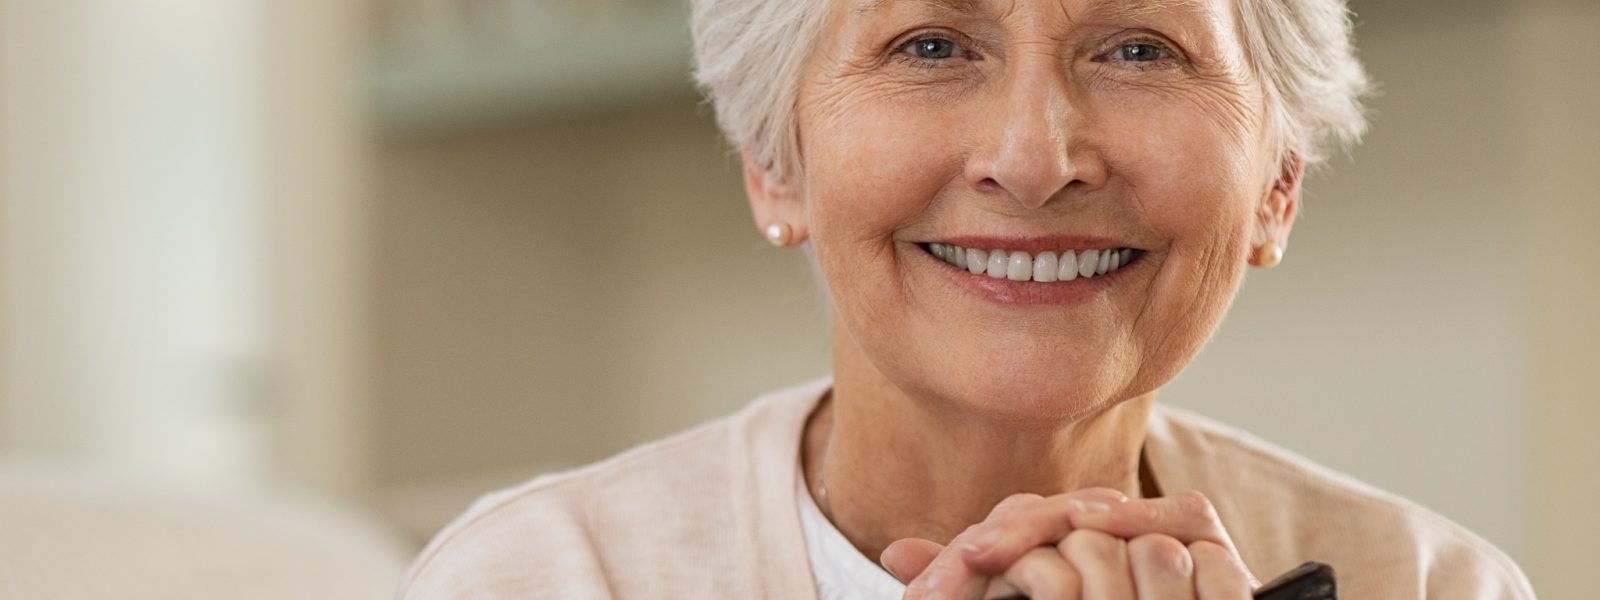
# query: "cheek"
{"type": "Point", "coordinates": [1194, 186]}
{"type": "Point", "coordinates": [1190, 170]}
{"type": "Point", "coordinates": [872, 168]}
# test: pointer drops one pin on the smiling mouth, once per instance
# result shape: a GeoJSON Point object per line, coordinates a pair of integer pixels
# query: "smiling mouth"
{"type": "Point", "coordinates": [1043, 267]}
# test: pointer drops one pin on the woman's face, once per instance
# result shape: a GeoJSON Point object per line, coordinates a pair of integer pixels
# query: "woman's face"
{"type": "Point", "coordinates": [1125, 127]}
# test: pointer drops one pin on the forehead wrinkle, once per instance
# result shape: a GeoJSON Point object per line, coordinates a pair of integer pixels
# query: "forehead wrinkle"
{"type": "Point", "coordinates": [1142, 8]}
{"type": "Point", "coordinates": [962, 6]}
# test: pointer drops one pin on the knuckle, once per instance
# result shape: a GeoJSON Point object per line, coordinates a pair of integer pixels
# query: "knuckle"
{"type": "Point", "coordinates": [1195, 503]}
{"type": "Point", "coordinates": [1219, 560]}
{"type": "Point", "coordinates": [974, 533]}
{"type": "Point", "coordinates": [1104, 493]}
{"type": "Point", "coordinates": [1153, 512]}
{"type": "Point", "coordinates": [1049, 583]}
{"type": "Point", "coordinates": [984, 532]}
{"type": "Point", "coordinates": [1088, 542]}
{"type": "Point", "coordinates": [1013, 502]}
{"type": "Point", "coordinates": [1020, 498]}
{"type": "Point", "coordinates": [916, 590]}
{"type": "Point", "coordinates": [1209, 552]}
{"type": "Point", "coordinates": [1161, 554]}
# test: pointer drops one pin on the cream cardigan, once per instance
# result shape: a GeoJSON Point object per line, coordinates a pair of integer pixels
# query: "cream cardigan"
{"type": "Point", "coordinates": [711, 513]}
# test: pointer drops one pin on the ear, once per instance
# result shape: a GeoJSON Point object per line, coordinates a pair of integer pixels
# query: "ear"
{"type": "Point", "coordinates": [1275, 215]}
{"type": "Point", "coordinates": [773, 198]}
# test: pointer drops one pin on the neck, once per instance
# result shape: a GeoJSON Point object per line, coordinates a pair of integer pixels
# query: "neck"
{"type": "Point", "coordinates": [885, 466]}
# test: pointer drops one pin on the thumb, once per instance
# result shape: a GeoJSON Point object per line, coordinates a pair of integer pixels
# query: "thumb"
{"type": "Point", "coordinates": [908, 558]}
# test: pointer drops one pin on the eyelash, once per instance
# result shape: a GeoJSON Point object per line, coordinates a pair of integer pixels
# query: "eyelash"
{"type": "Point", "coordinates": [962, 49]}
{"type": "Point", "coordinates": [1168, 55]}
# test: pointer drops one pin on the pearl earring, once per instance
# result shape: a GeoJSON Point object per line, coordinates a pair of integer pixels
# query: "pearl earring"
{"type": "Point", "coordinates": [780, 234]}
{"type": "Point", "coordinates": [1269, 255]}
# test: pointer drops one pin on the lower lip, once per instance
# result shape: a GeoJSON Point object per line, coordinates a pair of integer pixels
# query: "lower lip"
{"type": "Point", "coordinates": [1006, 291]}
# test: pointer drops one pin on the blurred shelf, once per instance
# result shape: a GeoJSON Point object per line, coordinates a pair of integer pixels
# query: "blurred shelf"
{"type": "Point", "coordinates": [436, 73]}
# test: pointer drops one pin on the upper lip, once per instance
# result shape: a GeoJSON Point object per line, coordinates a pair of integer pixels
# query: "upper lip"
{"type": "Point", "coordinates": [1051, 243]}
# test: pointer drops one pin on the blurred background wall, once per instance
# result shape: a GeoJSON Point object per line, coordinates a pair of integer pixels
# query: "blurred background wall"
{"type": "Point", "coordinates": [393, 254]}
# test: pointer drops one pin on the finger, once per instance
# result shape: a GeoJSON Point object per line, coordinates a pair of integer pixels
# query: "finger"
{"type": "Point", "coordinates": [1161, 567]}
{"type": "Point", "coordinates": [906, 559]}
{"type": "Point", "coordinates": [1007, 534]}
{"type": "Point", "coordinates": [1041, 574]}
{"type": "Point", "coordinates": [1000, 589]}
{"type": "Point", "coordinates": [947, 577]}
{"type": "Point", "coordinates": [1187, 516]}
{"type": "Point", "coordinates": [1011, 503]}
{"type": "Point", "coordinates": [1101, 561]}
{"type": "Point", "coordinates": [1218, 574]}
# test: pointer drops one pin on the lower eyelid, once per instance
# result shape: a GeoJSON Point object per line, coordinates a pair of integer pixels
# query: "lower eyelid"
{"type": "Point", "coordinates": [926, 63]}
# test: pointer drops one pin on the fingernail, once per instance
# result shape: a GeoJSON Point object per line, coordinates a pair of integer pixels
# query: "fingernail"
{"type": "Point", "coordinates": [1080, 506]}
{"type": "Point", "coordinates": [893, 574]}
{"type": "Point", "coordinates": [980, 543]}
{"type": "Point", "coordinates": [986, 539]}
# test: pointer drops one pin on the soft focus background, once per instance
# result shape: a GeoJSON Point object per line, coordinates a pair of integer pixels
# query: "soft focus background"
{"type": "Point", "coordinates": [284, 284]}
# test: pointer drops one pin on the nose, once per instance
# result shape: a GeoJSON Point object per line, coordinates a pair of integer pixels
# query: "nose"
{"type": "Point", "coordinates": [1034, 147]}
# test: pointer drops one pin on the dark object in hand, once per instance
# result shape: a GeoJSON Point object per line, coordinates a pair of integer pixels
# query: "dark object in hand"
{"type": "Point", "coordinates": [1310, 581]}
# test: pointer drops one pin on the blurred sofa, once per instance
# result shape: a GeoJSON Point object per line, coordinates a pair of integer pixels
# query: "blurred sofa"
{"type": "Point", "coordinates": [66, 534]}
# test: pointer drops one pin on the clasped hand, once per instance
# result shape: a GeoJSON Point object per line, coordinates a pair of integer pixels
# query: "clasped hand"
{"type": "Point", "coordinates": [1092, 544]}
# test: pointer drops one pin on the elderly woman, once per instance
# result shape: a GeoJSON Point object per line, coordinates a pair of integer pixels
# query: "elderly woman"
{"type": "Point", "coordinates": [1029, 215]}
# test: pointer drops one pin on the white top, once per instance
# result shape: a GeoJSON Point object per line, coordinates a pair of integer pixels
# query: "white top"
{"type": "Point", "coordinates": [840, 570]}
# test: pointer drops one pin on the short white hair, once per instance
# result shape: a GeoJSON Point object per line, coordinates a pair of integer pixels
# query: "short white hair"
{"type": "Point", "coordinates": [1304, 54]}
{"type": "Point", "coordinates": [749, 54]}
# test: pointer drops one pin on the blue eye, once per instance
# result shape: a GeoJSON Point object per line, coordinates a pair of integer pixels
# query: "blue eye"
{"type": "Point", "coordinates": [1139, 52]}
{"type": "Point", "coordinates": [933, 49]}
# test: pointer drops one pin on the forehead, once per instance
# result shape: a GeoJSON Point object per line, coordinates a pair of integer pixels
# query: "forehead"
{"type": "Point", "coordinates": [1104, 8]}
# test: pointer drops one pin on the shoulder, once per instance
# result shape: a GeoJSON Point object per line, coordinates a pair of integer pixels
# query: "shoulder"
{"type": "Point", "coordinates": [517, 540]}
{"type": "Point", "coordinates": [566, 534]}
{"type": "Point", "coordinates": [1284, 509]}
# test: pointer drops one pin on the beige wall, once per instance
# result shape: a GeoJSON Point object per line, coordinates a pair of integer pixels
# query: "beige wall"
{"type": "Point", "coordinates": [551, 293]}
{"type": "Point", "coordinates": [1558, 162]}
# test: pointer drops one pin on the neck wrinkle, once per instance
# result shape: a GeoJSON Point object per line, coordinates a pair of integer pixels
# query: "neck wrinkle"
{"type": "Point", "coordinates": [894, 468]}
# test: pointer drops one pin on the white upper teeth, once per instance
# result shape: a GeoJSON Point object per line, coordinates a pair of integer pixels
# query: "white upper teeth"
{"type": "Point", "coordinates": [1043, 267]}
